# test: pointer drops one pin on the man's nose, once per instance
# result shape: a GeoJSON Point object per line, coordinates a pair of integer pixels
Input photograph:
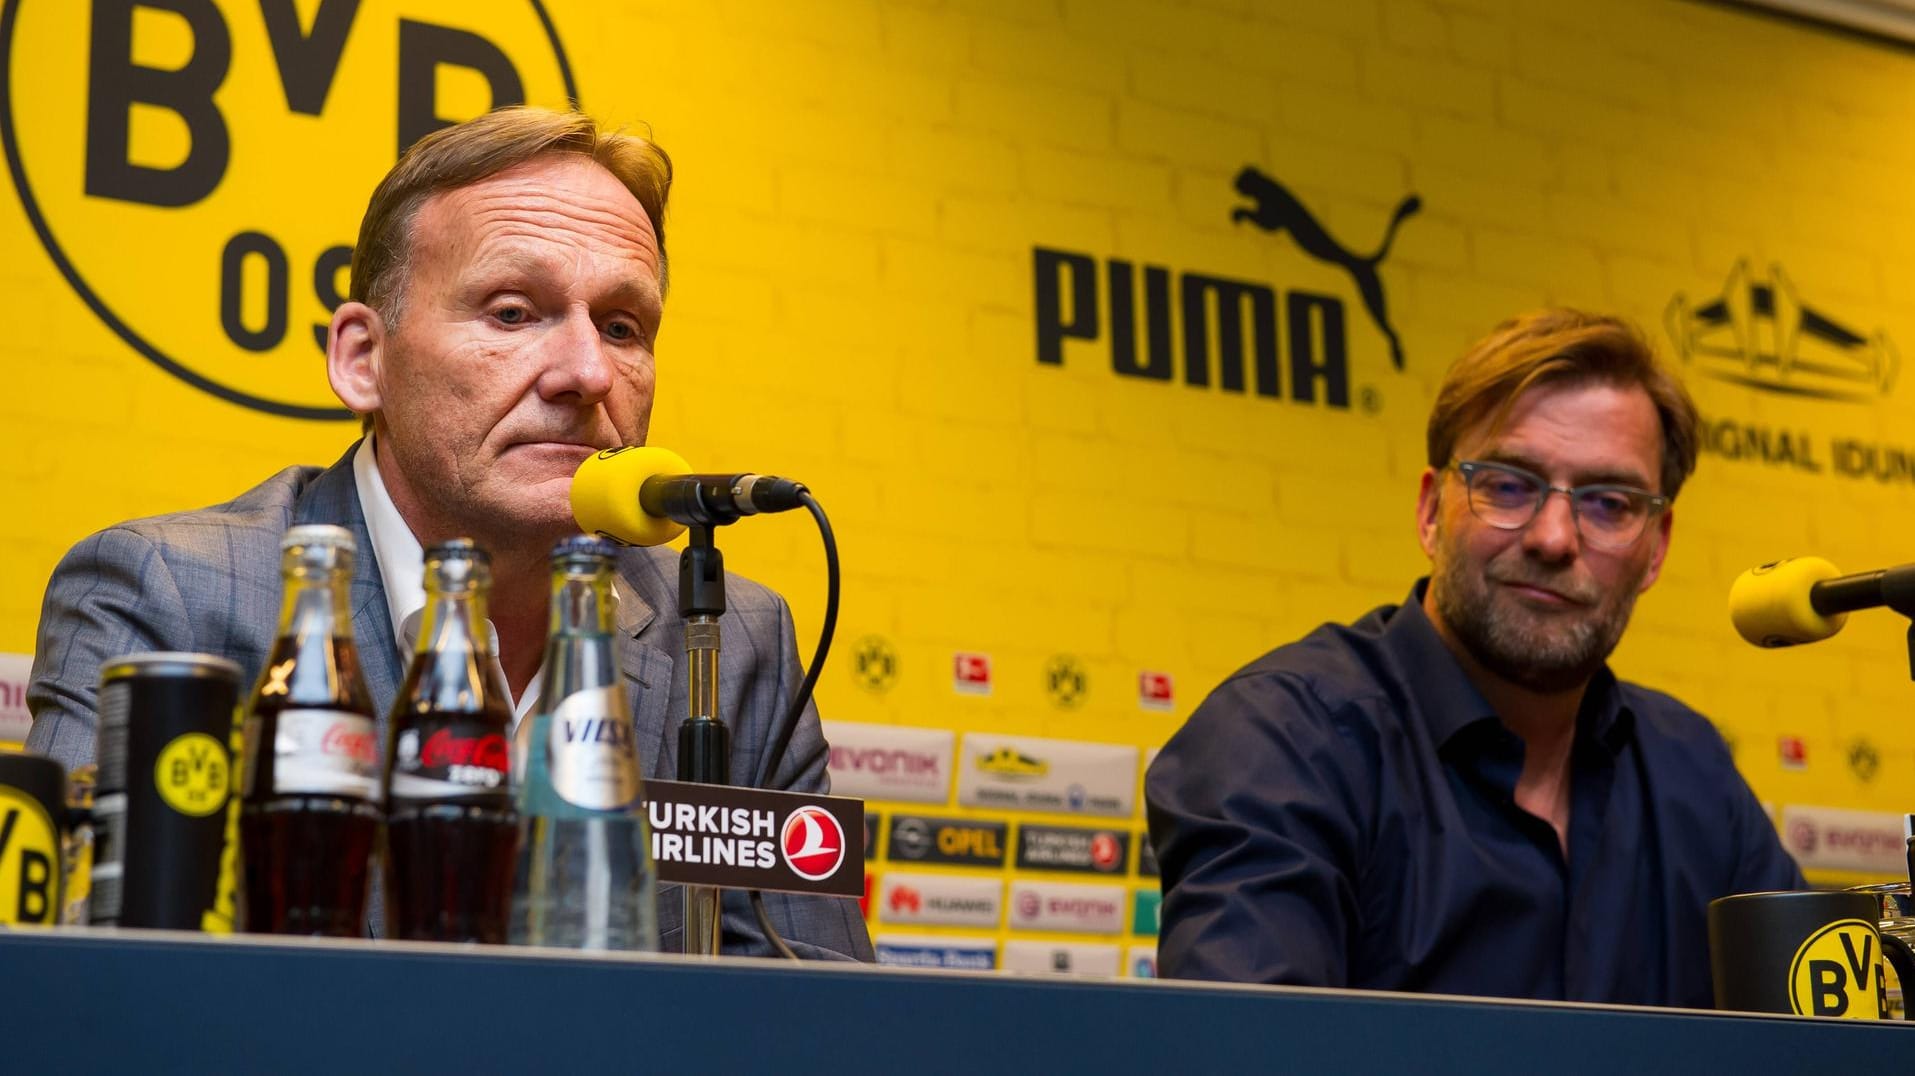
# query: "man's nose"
{"type": "Point", "coordinates": [1552, 535]}
{"type": "Point", "coordinates": [576, 366]}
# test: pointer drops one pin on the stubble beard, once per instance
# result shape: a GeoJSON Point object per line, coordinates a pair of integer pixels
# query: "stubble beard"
{"type": "Point", "coordinates": [1539, 651]}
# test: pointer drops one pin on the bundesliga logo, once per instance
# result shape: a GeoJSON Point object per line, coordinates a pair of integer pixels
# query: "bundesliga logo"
{"type": "Point", "coordinates": [813, 843]}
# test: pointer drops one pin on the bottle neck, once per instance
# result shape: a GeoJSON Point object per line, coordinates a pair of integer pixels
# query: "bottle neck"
{"type": "Point", "coordinates": [314, 662]}
{"type": "Point", "coordinates": [581, 601]}
{"type": "Point", "coordinates": [454, 620]}
{"type": "Point", "coordinates": [314, 604]}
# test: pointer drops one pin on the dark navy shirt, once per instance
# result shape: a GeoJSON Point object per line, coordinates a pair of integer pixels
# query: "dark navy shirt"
{"type": "Point", "coordinates": [1342, 813]}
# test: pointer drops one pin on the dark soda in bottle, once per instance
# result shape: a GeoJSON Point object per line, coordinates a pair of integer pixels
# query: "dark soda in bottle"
{"type": "Point", "coordinates": [310, 782]}
{"type": "Point", "coordinates": [451, 830]}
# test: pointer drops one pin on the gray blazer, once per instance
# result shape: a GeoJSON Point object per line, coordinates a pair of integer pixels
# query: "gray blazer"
{"type": "Point", "coordinates": [208, 581]}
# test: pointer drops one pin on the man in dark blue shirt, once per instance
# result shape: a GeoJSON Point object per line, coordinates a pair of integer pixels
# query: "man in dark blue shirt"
{"type": "Point", "coordinates": [1455, 794]}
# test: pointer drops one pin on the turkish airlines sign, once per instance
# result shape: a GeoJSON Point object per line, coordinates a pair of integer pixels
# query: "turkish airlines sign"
{"type": "Point", "coordinates": [755, 838]}
{"type": "Point", "coordinates": [890, 762]}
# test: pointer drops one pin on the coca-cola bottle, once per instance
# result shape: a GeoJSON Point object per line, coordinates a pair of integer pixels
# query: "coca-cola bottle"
{"type": "Point", "coordinates": [309, 802]}
{"type": "Point", "coordinates": [451, 831]}
{"type": "Point", "coordinates": [585, 866]}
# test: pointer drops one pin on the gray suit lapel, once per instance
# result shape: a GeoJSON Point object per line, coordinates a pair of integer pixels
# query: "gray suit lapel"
{"type": "Point", "coordinates": [333, 497]}
{"type": "Point", "coordinates": [649, 671]}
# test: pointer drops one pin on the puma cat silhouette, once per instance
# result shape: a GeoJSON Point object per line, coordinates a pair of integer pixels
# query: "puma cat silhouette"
{"type": "Point", "coordinates": [1278, 210]}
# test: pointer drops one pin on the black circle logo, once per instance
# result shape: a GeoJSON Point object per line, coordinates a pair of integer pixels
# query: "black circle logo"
{"type": "Point", "coordinates": [197, 170]}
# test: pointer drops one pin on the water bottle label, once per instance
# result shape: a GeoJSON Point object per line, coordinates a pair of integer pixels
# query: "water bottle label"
{"type": "Point", "coordinates": [589, 750]}
{"type": "Point", "coordinates": [326, 753]}
{"type": "Point", "coordinates": [450, 758]}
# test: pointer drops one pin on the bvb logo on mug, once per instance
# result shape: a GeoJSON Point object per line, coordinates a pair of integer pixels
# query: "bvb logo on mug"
{"type": "Point", "coordinates": [29, 860]}
{"type": "Point", "coordinates": [1834, 972]}
{"type": "Point", "coordinates": [196, 169]}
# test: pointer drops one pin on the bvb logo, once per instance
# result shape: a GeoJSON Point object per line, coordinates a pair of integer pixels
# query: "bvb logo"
{"type": "Point", "coordinates": [29, 861]}
{"type": "Point", "coordinates": [875, 664]}
{"type": "Point", "coordinates": [197, 170]}
{"type": "Point", "coordinates": [1066, 682]}
{"type": "Point", "coordinates": [1833, 973]}
{"type": "Point", "coordinates": [1864, 760]}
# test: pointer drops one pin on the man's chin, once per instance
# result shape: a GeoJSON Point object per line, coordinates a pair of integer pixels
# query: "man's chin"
{"type": "Point", "coordinates": [529, 518]}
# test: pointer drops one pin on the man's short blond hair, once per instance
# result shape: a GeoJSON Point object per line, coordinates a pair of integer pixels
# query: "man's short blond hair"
{"type": "Point", "coordinates": [1561, 346]}
{"type": "Point", "coordinates": [477, 150]}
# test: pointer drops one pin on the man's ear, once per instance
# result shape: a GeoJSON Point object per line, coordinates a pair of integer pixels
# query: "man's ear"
{"type": "Point", "coordinates": [355, 356]}
{"type": "Point", "coordinates": [1426, 507]}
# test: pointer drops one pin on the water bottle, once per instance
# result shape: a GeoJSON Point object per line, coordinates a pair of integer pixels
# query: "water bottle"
{"type": "Point", "coordinates": [585, 877]}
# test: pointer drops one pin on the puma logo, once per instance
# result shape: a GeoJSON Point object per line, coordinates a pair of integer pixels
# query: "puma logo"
{"type": "Point", "coordinates": [1278, 210]}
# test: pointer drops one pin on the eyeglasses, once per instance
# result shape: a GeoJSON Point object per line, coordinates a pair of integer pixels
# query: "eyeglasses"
{"type": "Point", "coordinates": [1607, 516]}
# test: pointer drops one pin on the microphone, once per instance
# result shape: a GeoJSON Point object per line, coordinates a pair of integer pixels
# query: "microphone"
{"type": "Point", "coordinates": [1805, 599]}
{"type": "Point", "coordinates": [644, 495]}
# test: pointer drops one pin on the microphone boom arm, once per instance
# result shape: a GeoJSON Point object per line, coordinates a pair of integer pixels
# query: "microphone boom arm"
{"type": "Point", "coordinates": [1893, 588]}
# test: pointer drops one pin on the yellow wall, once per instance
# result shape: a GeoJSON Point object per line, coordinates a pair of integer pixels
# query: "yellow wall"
{"type": "Point", "coordinates": [861, 186]}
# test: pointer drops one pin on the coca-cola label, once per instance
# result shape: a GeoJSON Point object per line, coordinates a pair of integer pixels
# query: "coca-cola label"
{"type": "Point", "coordinates": [589, 750]}
{"type": "Point", "coordinates": [326, 753]}
{"type": "Point", "coordinates": [454, 757]}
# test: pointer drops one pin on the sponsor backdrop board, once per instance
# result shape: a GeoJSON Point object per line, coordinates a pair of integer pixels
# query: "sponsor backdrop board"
{"type": "Point", "coordinates": [1031, 774]}
{"type": "Point", "coordinates": [1067, 906]}
{"type": "Point", "coordinates": [1105, 332]}
{"type": "Point", "coordinates": [890, 762]}
{"type": "Point", "coordinates": [1060, 958]}
{"type": "Point", "coordinates": [935, 951]}
{"type": "Point", "coordinates": [941, 899]}
{"type": "Point", "coordinates": [14, 718]}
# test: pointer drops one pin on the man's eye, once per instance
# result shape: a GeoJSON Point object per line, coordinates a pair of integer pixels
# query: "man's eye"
{"type": "Point", "coordinates": [510, 315]}
{"type": "Point", "coordinates": [1505, 487]}
{"type": "Point", "coordinates": [621, 330]}
{"type": "Point", "coordinates": [1610, 504]}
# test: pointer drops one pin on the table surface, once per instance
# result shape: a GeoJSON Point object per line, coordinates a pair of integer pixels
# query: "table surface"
{"type": "Point", "coordinates": [84, 1001]}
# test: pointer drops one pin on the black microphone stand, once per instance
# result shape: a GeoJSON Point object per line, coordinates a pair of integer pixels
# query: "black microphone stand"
{"type": "Point", "coordinates": [704, 741]}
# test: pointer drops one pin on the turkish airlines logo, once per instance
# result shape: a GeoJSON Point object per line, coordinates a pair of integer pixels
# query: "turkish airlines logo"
{"type": "Point", "coordinates": [813, 843]}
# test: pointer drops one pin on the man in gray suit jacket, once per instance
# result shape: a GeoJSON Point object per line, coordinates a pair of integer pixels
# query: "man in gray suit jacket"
{"type": "Point", "coordinates": [507, 288]}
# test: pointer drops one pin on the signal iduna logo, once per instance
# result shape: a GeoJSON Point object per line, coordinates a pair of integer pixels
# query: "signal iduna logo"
{"type": "Point", "coordinates": [196, 170]}
{"type": "Point", "coordinates": [812, 843]}
{"type": "Point", "coordinates": [1833, 973]}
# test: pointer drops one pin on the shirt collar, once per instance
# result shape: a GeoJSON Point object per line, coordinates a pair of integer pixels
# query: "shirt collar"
{"type": "Point", "coordinates": [402, 569]}
{"type": "Point", "coordinates": [1450, 702]}
{"type": "Point", "coordinates": [400, 558]}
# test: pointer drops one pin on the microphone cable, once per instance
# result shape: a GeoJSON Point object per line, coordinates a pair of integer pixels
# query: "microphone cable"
{"type": "Point", "coordinates": [802, 698]}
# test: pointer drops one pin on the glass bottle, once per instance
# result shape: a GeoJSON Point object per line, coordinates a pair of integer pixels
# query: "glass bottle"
{"type": "Point", "coordinates": [310, 782]}
{"type": "Point", "coordinates": [451, 830]}
{"type": "Point", "coordinates": [585, 877]}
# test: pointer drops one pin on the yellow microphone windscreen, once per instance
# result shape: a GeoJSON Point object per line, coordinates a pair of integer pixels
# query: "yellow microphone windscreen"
{"type": "Point", "coordinates": [605, 494]}
{"type": "Point", "coordinates": [1770, 605]}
